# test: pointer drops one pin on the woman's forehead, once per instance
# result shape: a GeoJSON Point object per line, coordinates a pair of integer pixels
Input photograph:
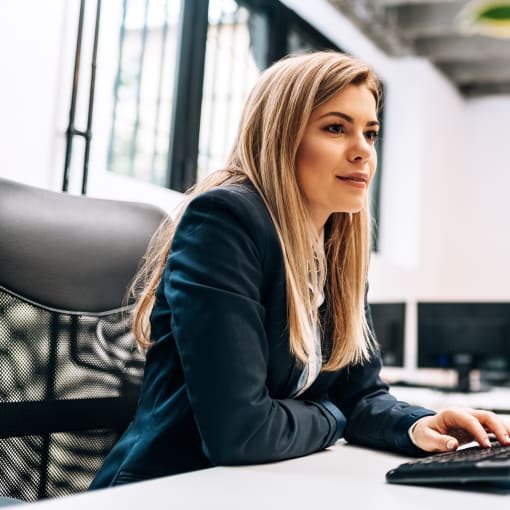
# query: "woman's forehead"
{"type": "Point", "coordinates": [355, 101]}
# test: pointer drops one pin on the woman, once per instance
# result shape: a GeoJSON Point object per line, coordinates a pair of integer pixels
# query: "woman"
{"type": "Point", "coordinates": [259, 345]}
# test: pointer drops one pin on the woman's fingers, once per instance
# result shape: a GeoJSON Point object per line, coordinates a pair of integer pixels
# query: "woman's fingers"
{"type": "Point", "coordinates": [462, 435]}
{"type": "Point", "coordinates": [462, 423]}
{"type": "Point", "coordinates": [428, 437]}
{"type": "Point", "coordinates": [493, 423]}
{"type": "Point", "coordinates": [452, 427]}
{"type": "Point", "coordinates": [434, 441]}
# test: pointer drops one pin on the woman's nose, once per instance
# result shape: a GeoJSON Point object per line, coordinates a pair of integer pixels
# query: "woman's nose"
{"type": "Point", "coordinates": [360, 150]}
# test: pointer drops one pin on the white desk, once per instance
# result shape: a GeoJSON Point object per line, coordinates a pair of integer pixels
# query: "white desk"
{"type": "Point", "coordinates": [342, 477]}
{"type": "Point", "coordinates": [496, 398]}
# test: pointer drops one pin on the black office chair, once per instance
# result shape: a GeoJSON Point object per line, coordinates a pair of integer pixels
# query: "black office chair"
{"type": "Point", "coordinates": [69, 368]}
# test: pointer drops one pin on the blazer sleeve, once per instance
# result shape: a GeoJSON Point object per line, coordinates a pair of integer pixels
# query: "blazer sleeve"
{"type": "Point", "coordinates": [212, 283]}
{"type": "Point", "coordinates": [375, 418]}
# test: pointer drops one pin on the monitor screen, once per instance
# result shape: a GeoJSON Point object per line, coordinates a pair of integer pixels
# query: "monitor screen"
{"type": "Point", "coordinates": [464, 336]}
{"type": "Point", "coordinates": [389, 328]}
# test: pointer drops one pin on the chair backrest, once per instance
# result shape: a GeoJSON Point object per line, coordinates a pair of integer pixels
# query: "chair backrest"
{"type": "Point", "coordinates": [69, 368]}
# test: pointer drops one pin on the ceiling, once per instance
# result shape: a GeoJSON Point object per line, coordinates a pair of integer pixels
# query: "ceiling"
{"type": "Point", "coordinates": [478, 65]}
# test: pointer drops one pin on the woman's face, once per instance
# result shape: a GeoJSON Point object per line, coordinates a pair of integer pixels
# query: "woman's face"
{"type": "Point", "coordinates": [336, 158]}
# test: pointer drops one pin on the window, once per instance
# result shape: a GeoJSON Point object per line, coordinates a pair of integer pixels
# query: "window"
{"type": "Point", "coordinates": [235, 52]}
{"type": "Point", "coordinates": [184, 71]}
{"type": "Point", "coordinates": [143, 90]}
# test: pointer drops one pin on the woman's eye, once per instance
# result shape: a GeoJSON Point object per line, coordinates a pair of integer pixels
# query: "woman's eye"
{"type": "Point", "coordinates": [372, 135]}
{"type": "Point", "coordinates": [335, 128]}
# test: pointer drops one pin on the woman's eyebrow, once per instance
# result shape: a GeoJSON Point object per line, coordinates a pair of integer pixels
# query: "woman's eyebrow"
{"type": "Point", "coordinates": [348, 118]}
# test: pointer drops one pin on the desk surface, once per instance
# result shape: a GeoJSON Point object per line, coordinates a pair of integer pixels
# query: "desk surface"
{"type": "Point", "coordinates": [496, 398]}
{"type": "Point", "coordinates": [344, 476]}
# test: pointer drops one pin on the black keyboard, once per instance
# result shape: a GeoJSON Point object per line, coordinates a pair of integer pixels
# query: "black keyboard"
{"type": "Point", "coordinates": [475, 464]}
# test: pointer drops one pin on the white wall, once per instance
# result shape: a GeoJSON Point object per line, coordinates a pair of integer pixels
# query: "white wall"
{"type": "Point", "coordinates": [31, 53]}
{"type": "Point", "coordinates": [446, 163]}
{"type": "Point", "coordinates": [479, 265]}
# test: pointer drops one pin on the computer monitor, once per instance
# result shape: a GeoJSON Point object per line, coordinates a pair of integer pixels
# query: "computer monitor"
{"type": "Point", "coordinates": [389, 327]}
{"type": "Point", "coordinates": [465, 336]}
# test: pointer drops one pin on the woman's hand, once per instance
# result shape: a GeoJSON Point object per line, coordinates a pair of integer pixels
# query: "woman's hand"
{"type": "Point", "coordinates": [449, 429]}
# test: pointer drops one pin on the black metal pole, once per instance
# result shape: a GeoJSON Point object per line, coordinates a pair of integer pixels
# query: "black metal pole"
{"type": "Point", "coordinates": [88, 133]}
{"type": "Point", "coordinates": [187, 101]}
{"type": "Point", "coordinates": [72, 110]}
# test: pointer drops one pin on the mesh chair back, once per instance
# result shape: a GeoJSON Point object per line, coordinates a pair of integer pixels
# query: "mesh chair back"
{"type": "Point", "coordinates": [69, 368]}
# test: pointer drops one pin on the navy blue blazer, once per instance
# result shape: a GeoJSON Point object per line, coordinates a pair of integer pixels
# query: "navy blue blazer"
{"type": "Point", "coordinates": [219, 373]}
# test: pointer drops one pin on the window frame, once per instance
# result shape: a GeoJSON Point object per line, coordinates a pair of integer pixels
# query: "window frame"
{"type": "Point", "coordinates": [182, 159]}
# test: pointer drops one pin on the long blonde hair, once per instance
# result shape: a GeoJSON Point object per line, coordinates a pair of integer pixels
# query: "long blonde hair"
{"type": "Point", "coordinates": [264, 153]}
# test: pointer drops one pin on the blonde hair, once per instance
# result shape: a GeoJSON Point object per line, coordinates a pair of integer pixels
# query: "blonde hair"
{"type": "Point", "coordinates": [264, 153]}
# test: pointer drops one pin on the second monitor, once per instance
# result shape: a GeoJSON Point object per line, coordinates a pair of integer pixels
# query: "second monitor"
{"type": "Point", "coordinates": [389, 326]}
{"type": "Point", "coordinates": [465, 336]}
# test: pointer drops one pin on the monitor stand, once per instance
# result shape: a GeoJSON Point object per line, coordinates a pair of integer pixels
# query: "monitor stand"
{"type": "Point", "coordinates": [463, 379]}
{"type": "Point", "coordinates": [463, 363]}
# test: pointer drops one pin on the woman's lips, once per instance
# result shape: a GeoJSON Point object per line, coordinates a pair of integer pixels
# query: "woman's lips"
{"type": "Point", "coordinates": [358, 181]}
